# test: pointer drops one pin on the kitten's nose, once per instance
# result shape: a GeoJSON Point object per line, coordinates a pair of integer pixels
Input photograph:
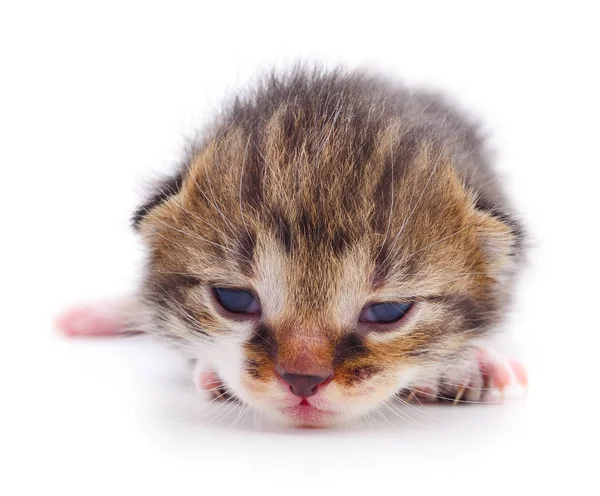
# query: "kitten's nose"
{"type": "Point", "coordinates": [304, 385]}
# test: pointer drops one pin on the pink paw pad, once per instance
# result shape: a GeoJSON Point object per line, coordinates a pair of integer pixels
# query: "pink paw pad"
{"type": "Point", "coordinates": [208, 381]}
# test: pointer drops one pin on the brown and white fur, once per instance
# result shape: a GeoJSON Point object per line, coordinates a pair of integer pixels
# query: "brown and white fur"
{"type": "Point", "coordinates": [321, 193]}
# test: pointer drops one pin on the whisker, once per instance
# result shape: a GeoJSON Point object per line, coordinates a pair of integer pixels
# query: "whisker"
{"type": "Point", "coordinates": [426, 415]}
{"type": "Point", "coordinates": [217, 409]}
{"type": "Point", "coordinates": [244, 410]}
{"type": "Point", "coordinates": [443, 398]}
{"type": "Point", "coordinates": [445, 383]}
{"type": "Point", "coordinates": [376, 410]}
{"type": "Point", "coordinates": [231, 408]}
{"type": "Point", "coordinates": [405, 416]}
{"type": "Point", "coordinates": [203, 407]}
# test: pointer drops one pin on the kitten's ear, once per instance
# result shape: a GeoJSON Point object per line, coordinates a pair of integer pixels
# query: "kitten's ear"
{"type": "Point", "coordinates": [501, 238]}
{"type": "Point", "coordinates": [162, 191]}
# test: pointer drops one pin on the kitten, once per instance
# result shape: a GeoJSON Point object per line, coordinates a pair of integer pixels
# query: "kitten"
{"type": "Point", "coordinates": [332, 241]}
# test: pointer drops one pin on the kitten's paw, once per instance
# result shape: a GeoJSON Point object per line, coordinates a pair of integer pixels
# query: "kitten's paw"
{"type": "Point", "coordinates": [209, 382]}
{"type": "Point", "coordinates": [485, 377]}
{"type": "Point", "coordinates": [97, 319]}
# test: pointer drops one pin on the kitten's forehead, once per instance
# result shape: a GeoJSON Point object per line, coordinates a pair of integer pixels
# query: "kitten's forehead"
{"type": "Point", "coordinates": [299, 198]}
{"type": "Point", "coordinates": [319, 204]}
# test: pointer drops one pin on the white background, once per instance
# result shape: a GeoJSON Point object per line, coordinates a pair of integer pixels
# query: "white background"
{"type": "Point", "coordinates": [95, 99]}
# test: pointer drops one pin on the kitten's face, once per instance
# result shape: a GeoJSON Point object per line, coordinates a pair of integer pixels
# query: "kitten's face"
{"type": "Point", "coordinates": [367, 268]}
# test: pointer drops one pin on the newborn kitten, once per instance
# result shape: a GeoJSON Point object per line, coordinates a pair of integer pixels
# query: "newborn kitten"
{"type": "Point", "coordinates": [332, 241]}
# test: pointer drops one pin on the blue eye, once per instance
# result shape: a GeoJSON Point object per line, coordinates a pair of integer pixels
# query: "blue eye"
{"type": "Point", "coordinates": [382, 313]}
{"type": "Point", "coordinates": [237, 300]}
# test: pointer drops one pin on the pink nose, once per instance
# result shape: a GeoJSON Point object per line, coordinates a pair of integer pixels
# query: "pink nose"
{"type": "Point", "coordinates": [304, 385]}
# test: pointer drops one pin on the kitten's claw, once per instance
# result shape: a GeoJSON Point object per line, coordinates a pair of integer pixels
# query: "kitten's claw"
{"type": "Point", "coordinates": [411, 397]}
{"type": "Point", "coordinates": [520, 373]}
{"type": "Point", "coordinates": [459, 394]}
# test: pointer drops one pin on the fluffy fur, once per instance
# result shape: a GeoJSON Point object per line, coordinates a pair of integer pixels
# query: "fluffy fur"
{"type": "Point", "coordinates": [321, 192]}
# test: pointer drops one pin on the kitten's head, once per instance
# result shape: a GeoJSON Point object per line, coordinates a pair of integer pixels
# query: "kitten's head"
{"type": "Point", "coordinates": [322, 252]}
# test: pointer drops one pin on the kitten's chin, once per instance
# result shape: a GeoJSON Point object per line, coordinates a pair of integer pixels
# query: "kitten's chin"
{"type": "Point", "coordinates": [309, 416]}
{"type": "Point", "coordinates": [302, 414]}
{"type": "Point", "coordinates": [306, 415]}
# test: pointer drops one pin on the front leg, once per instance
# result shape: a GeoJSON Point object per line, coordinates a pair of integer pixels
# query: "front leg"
{"type": "Point", "coordinates": [483, 377]}
{"type": "Point", "coordinates": [103, 318]}
{"type": "Point", "coordinates": [208, 381]}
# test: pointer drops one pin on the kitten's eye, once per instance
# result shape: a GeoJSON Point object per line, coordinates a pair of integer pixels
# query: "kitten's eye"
{"type": "Point", "coordinates": [383, 313]}
{"type": "Point", "coordinates": [237, 300]}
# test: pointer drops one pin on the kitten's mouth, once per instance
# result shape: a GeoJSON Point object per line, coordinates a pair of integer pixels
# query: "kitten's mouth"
{"type": "Point", "coordinates": [306, 414]}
